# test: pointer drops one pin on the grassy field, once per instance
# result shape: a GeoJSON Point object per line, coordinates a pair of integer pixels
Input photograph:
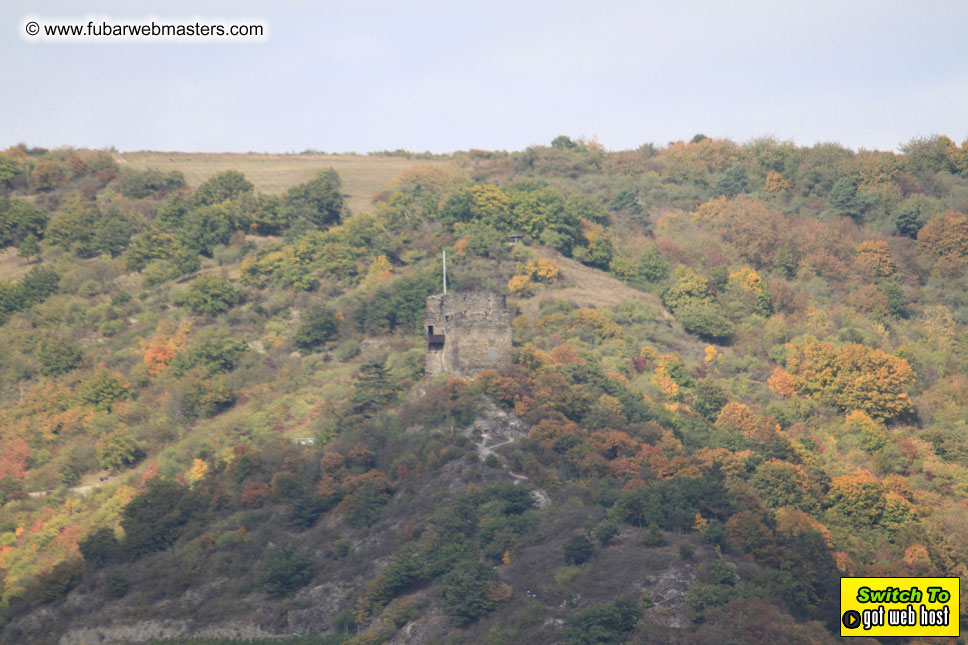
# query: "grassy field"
{"type": "Point", "coordinates": [12, 266]}
{"type": "Point", "coordinates": [585, 287]}
{"type": "Point", "coordinates": [362, 175]}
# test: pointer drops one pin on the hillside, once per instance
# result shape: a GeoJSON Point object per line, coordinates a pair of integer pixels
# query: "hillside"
{"type": "Point", "coordinates": [739, 373]}
{"type": "Point", "coordinates": [363, 176]}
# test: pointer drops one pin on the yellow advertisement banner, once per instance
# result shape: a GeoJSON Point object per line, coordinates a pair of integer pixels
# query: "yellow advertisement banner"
{"type": "Point", "coordinates": [899, 607]}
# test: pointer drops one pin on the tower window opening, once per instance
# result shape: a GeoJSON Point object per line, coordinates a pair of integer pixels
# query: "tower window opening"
{"type": "Point", "coordinates": [434, 341]}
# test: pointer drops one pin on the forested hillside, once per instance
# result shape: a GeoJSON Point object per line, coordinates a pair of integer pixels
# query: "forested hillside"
{"type": "Point", "coordinates": [740, 371]}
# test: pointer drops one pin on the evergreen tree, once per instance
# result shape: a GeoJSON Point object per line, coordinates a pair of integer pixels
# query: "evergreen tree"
{"type": "Point", "coordinates": [373, 389]}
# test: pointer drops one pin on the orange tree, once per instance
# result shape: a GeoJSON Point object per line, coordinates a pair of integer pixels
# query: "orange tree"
{"type": "Point", "coordinates": [852, 377]}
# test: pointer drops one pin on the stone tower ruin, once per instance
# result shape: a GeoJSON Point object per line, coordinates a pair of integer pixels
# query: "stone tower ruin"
{"type": "Point", "coordinates": [467, 333]}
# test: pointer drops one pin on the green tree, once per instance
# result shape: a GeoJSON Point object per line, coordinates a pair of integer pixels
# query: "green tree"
{"type": "Point", "coordinates": [48, 175]}
{"type": "Point", "coordinates": [731, 182]}
{"type": "Point", "coordinates": [373, 389]}
{"type": "Point", "coordinates": [366, 494]}
{"type": "Point", "coordinates": [284, 568]}
{"type": "Point", "coordinates": [930, 154]}
{"type": "Point", "coordinates": [689, 287]}
{"type": "Point", "coordinates": [263, 214]}
{"type": "Point", "coordinates": [319, 201]}
{"type": "Point", "coordinates": [317, 327]}
{"type": "Point", "coordinates": [203, 395]}
{"type": "Point", "coordinates": [59, 355]}
{"type": "Point", "coordinates": [706, 319]}
{"type": "Point", "coordinates": [652, 266]}
{"type": "Point", "coordinates": [156, 243]}
{"type": "Point", "coordinates": [115, 583]}
{"type": "Point", "coordinates": [154, 519]}
{"type": "Point", "coordinates": [104, 389]}
{"type": "Point", "coordinates": [202, 229]}
{"type": "Point", "coordinates": [20, 219]}
{"type": "Point", "coordinates": [74, 226]}
{"type": "Point", "coordinates": [214, 349]}
{"type": "Point", "coordinates": [625, 202]}
{"type": "Point", "coordinates": [578, 550]}
{"type": "Point", "coordinates": [846, 201]}
{"type": "Point", "coordinates": [11, 300]}
{"type": "Point", "coordinates": [222, 187]}
{"type": "Point", "coordinates": [118, 449]}
{"type": "Point", "coordinates": [606, 532]}
{"type": "Point", "coordinates": [561, 142]}
{"type": "Point", "coordinates": [609, 622]}
{"type": "Point", "coordinates": [29, 247]}
{"type": "Point", "coordinates": [113, 233]}
{"type": "Point", "coordinates": [212, 294]}
{"type": "Point", "coordinates": [138, 184]}
{"type": "Point", "coordinates": [100, 546]}
{"type": "Point", "coordinates": [782, 483]}
{"type": "Point", "coordinates": [8, 170]}
{"type": "Point", "coordinates": [470, 590]}
{"type": "Point", "coordinates": [908, 222]}
{"type": "Point", "coordinates": [709, 399]}
{"type": "Point", "coordinates": [39, 284]}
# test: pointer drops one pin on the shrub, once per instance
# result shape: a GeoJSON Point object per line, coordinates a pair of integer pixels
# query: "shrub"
{"type": "Point", "coordinates": [709, 399]}
{"type": "Point", "coordinates": [213, 349]}
{"type": "Point", "coordinates": [652, 265]}
{"type": "Point", "coordinates": [609, 622]}
{"type": "Point", "coordinates": [284, 568]}
{"type": "Point", "coordinates": [136, 184]}
{"type": "Point", "coordinates": [115, 583]}
{"type": "Point", "coordinates": [606, 532]}
{"type": "Point", "coordinates": [204, 396]}
{"type": "Point", "coordinates": [59, 355]}
{"type": "Point", "coordinates": [153, 520]}
{"type": "Point", "coordinates": [54, 584]}
{"type": "Point", "coordinates": [348, 350]}
{"type": "Point", "coordinates": [578, 550]}
{"type": "Point", "coordinates": [706, 319]}
{"type": "Point", "coordinates": [255, 494]}
{"type": "Point", "coordinates": [104, 389]}
{"type": "Point", "coordinates": [365, 496]}
{"type": "Point", "coordinates": [100, 546]}
{"type": "Point", "coordinates": [118, 449]}
{"type": "Point", "coordinates": [471, 590]}
{"type": "Point", "coordinates": [653, 537]}
{"type": "Point", "coordinates": [318, 326]}
{"type": "Point", "coordinates": [212, 294]}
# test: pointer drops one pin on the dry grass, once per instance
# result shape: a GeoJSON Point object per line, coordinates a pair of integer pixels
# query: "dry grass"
{"type": "Point", "coordinates": [12, 266]}
{"type": "Point", "coordinates": [585, 287]}
{"type": "Point", "coordinates": [363, 176]}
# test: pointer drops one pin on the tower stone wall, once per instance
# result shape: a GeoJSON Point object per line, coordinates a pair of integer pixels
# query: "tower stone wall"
{"type": "Point", "coordinates": [467, 333]}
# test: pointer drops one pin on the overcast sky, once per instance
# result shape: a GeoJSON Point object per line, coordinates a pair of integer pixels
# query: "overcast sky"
{"type": "Point", "coordinates": [445, 75]}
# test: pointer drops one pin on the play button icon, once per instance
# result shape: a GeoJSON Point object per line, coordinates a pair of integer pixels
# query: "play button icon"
{"type": "Point", "coordinates": [851, 619]}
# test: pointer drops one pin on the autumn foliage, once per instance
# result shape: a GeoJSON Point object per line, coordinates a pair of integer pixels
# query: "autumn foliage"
{"type": "Point", "coordinates": [852, 377]}
{"type": "Point", "coordinates": [162, 347]}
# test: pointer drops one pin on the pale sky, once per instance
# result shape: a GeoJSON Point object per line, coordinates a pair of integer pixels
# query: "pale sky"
{"type": "Point", "coordinates": [442, 76]}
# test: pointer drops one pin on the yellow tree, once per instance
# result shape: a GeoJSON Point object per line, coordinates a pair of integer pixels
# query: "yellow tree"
{"type": "Point", "coordinates": [852, 377]}
{"type": "Point", "coordinates": [874, 259]}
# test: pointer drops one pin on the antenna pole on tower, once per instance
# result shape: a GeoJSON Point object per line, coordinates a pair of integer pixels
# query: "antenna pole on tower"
{"type": "Point", "coordinates": [445, 272]}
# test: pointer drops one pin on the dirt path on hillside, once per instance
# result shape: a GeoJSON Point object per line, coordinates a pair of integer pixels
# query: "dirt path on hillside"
{"type": "Point", "coordinates": [93, 482]}
{"type": "Point", "coordinates": [505, 428]}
